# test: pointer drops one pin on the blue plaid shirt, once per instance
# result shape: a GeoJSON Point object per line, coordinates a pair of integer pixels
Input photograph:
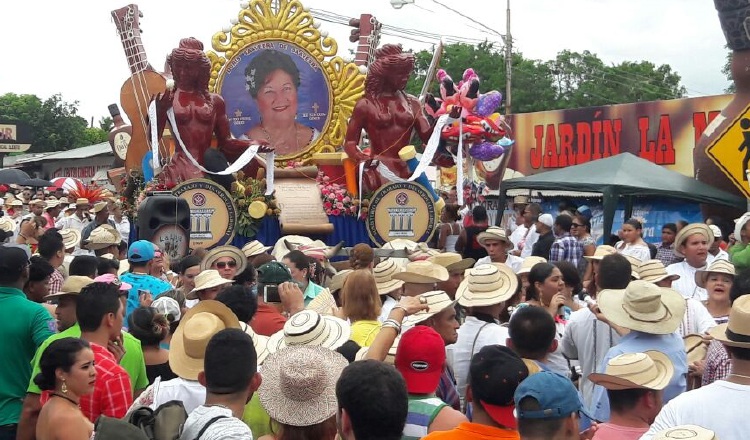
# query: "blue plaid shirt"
{"type": "Point", "coordinates": [566, 248]}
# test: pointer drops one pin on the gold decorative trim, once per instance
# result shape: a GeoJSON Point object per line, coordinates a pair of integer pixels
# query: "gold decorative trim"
{"type": "Point", "coordinates": [293, 24]}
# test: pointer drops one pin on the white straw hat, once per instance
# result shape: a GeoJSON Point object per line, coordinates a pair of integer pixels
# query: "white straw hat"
{"type": "Point", "coordinates": [651, 370]}
{"type": "Point", "coordinates": [437, 301]}
{"type": "Point", "coordinates": [487, 285]}
{"type": "Point", "coordinates": [224, 251]}
{"type": "Point", "coordinates": [452, 261]}
{"type": "Point", "coordinates": [601, 252]}
{"type": "Point", "coordinates": [103, 236]}
{"type": "Point", "coordinates": [686, 432]}
{"type": "Point", "coordinates": [259, 341]}
{"type": "Point", "coordinates": [689, 230]}
{"type": "Point", "coordinates": [530, 262]}
{"type": "Point", "coordinates": [643, 306]}
{"type": "Point", "coordinates": [717, 266]}
{"type": "Point", "coordinates": [735, 333]}
{"type": "Point", "coordinates": [309, 327]}
{"type": "Point", "coordinates": [254, 248]}
{"type": "Point", "coordinates": [654, 271]}
{"type": "Point", "coordinates": [71, 237]}
{"type": "Point", "coordinates": [7, 224]}
{"type": "Point", "coordinates": [383, 273]}
{"type": "Point", "coordinates": [422, 272]}
{"type": "Point", "coordinates": [206, 280]}
{"type": "Point", "coordinates": [493, 233]}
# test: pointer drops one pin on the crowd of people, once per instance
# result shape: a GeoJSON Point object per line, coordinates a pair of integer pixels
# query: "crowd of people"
{"type": "Point", "coordinates": [525, 332]}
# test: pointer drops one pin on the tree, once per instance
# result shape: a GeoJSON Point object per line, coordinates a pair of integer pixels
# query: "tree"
{"type": "Point", "coordinates": [106, 123]}
{"type": "Point", "coordinates": [571, 80]}
{"type": "Point", "coordinates": [54, 123]}
{"type": "Point", "coordinates": [94, 135]}
{"type": "Point", "coordinates": [727, 71]}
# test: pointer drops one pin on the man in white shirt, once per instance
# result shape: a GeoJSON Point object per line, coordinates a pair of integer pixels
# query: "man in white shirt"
{"type": "Point", "coordinates": [586, 338]}
{"type": "Point", "coordinates": [497, 245]}
{"type": "Point", "coordinates": [719, 406]}
{"type": "Point", "coordinates": [484, 291]}
{"type": "Point", "coordinates": [230, 376]}
{"type": "Point", "coordinates": [692, 243]}
{"type": "Point", "coordinates": [530, 214]}
{"type": "Point", "coordinates": [715, 252]}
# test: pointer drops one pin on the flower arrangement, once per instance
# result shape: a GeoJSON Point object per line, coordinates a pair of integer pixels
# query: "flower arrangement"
{"type": "Point", "coordinates": [337, 200]}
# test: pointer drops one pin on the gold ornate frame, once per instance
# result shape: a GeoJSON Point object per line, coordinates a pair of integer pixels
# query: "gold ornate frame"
{"type": "Point", "coordinates": [293, 23]}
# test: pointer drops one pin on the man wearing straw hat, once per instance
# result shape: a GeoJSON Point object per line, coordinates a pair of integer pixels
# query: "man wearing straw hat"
{"type": "Point", "coordinates": [420, 277]}
{"type": "Point", "coordinates": [692, 243]}
{"type": "Point", "coordinates": [229, 384]}
{"type": "Point", "coordinates": [78, 220]}
{"type": "Point", "coordinates": [586, 338]}
{"type": "Point", "coordinates": [497, 245]}
{"type": "Point", "coordinates": [441, 317]}
{"type": "Point", "coordinates": [51, 211]}
{"type": "Point", "coordinates": [652, 314]}
{"type": "Point", "coordinates": [484, 291]}
{"type": "Point", "coordinates": [719, 406]}
{"type": "Point", "coordinates": [634, 384]}
{"type": "Point", "coordinates": [456, 266]}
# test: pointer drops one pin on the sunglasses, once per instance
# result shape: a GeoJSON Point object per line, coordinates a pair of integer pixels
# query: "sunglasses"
{"type": "Point", "coordinates": [575, 225]}
{"type": "Point", "coordinates": [225, 264]}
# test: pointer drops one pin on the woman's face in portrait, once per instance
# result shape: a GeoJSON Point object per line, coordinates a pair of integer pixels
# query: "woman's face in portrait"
{"type": "Point", "coordinates": [277, 98]}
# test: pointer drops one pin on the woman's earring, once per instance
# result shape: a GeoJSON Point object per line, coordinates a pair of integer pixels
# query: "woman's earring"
{"type": "Point", "coordinates": [64, 387]}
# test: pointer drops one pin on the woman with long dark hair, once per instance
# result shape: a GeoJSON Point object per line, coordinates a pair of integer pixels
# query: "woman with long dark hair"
{"type": "Point", "coordinates": [632, 243]}
{"type": "Point", "coordinates": [67, 372]}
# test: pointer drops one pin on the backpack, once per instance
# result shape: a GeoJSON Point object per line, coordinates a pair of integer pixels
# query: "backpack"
{"type": "Point", "coordinates": [164, 423]}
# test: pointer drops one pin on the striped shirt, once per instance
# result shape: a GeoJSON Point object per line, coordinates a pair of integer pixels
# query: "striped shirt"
{"type": "Point", "coordinates": [446, 390]}
{"type": "Point", "coordinates": [422, 411]}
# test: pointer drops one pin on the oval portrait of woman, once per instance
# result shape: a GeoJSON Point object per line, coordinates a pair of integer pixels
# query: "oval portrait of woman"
{"type": "Point", "coordinates": [276, 92]}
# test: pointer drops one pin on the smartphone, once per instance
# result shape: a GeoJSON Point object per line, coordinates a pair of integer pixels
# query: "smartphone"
{"type": "Point", "coordinates": [142, 292]}
{"type": "Point", "coordinates": [271, 293]}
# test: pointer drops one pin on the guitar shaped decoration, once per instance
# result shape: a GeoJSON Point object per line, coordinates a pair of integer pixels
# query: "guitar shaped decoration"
{"type": "Point", "coordinates": [367, 37]}
{"type": "Point", "coordinates": [136, 91]}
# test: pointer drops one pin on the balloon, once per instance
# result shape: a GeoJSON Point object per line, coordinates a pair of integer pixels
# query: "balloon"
{"type": "Point", "coordinates": [148, 171]}
{"type": "Point", "coordinates": [488, 103]}
{"type": "Point", "coordinates": [485, 151]}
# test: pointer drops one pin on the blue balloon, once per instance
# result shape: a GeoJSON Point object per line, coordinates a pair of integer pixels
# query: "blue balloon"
{"type": "Point", "coordinates": [148, 171]}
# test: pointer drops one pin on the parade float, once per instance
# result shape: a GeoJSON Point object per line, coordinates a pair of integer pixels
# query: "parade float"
{"type": "Point", "coordinates": [272, 133]}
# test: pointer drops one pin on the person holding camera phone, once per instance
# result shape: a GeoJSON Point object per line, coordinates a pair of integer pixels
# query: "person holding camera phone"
{"type": "Point", "coordinates": [277, 293]}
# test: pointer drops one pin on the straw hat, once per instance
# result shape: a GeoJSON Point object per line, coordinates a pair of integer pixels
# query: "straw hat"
{"type": "Point", "coordinates": [437, 301]}
{"type": "Point", "coordinates": [254, 248]}
{"type": "Point", "coordinates": [52, 203]}
{"type": "Point", "coordinates": [82, 201]}
{"type": "Point", "coordinates": [739, 224]}
{"type": "Point", "coordinates": [692, 229]}
{"type": "Point", "coordinates": [635, 264]}
{"type": "Point", "coordinates": [224, 251]}
{"type": "Point", "coordinates": [16, 202]}
{"type": "Point", "coordinates": [323, 303]}
{"type": "Point", "coordinates": [383, 273]}
{"type": "Point", "coordinates": [63, 200]}
{"type": "Point", "coordinates": [71, 207]}
{"type": "Point", "coordinates": [644, 307]}
{"type": "Point", "coordinates": [651, 370]}
{"type": "Point", "coordinates": [530, 262]}
{"type": "Point", "coordinates": [337, 281]}
{"type": "Point", "coordinates": [685, 432]}
{"type": "Point", "coordinates": [735, 333]}
{"type": "Point", "coordinates": [35, 202]}
{"type": "Point", "coordinates": [299, 385]}
{"type": "Point", "coordinates": [72, 286]}
{"type": "Point", "coordinates": [71, 237]}
{"type": "Point", "coordinates": [493, 233]}
{"type": "Point", "coordinates": [601, 252]}
{"type": "Point", "coordinates": [422, 272]}
{"type": "Point", "coordinates": [7, 224]}
{"type": "Point", "coordinates": [98, 207]}
{"type": "Point", "coordinates": [259, 341]}
{"type": "Point", "coordinates": [718, 266]}
{"type": "Point", "coordinates": [695, 347]}
{"type": "Point", "coordinates": [206, 280]}
{"type": "Point", "coordinates": [188, 347]}
{"type": "Point", "coordinates": [103, 236]}
{"type": "Point", "coordinates": [390, 358]}
{"type": "Point", "coordinates": [452, 261]}
{"type": "Point", "coordinates": [487, 285]}
{"type": "Point", "coordinates": [654, 271]}
{"type": "Point", "coordinates": [309, 327]}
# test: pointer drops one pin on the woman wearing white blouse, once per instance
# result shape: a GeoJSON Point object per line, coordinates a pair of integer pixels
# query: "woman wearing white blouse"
{"type": "Point", "coordinates": [632, 243]}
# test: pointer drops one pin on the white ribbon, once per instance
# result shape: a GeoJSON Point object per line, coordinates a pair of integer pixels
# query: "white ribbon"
{"type": "Point", "coordinates": [460, 165]}
{"type": "Point", "coordinates": [431, 148]}
{"type": "Point", "coordinates": [388, 174]}
{"type": "Point", "coordinates": [240, 163]}
{"type": "Point", "coordinates": [269, 172]}
{"type": "Point", "coordinates": [361, 173]}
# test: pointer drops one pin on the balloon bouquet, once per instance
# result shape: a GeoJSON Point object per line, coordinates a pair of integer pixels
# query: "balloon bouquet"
{"type": "Point", "coordinates": [481, 128]}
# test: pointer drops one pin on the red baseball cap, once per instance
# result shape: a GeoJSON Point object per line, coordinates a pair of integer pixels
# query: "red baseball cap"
{"type": "Point", "coordinates": [420, 359]}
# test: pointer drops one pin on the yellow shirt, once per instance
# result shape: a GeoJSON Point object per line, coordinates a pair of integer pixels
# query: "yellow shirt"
{"type": "Point", "coordinates": [364, 332]}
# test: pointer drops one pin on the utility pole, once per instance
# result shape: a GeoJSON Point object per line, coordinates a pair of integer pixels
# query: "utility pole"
{"type": "Point", "coordinates": [508, 58]}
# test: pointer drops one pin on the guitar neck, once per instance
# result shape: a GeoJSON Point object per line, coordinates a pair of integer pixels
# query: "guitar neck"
{"type": "Point", "coordinates": [369, 37]}
{"type": "Point", "coordinates": [129, 31]}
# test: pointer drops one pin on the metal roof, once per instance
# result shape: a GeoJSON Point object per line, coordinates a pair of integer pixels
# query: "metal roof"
{"type": "Point", "coordinates": [76, 153]}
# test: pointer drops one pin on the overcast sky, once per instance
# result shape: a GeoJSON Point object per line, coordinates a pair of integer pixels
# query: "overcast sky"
{"type": "Point", "coordinates": [71, 47]}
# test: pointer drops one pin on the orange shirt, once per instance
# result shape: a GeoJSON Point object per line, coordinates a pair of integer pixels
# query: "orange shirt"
{"type": "Point", "coordinates": [473, 431]}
